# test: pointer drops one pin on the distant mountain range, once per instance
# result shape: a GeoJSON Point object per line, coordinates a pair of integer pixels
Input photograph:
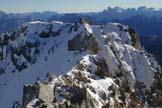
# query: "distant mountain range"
{"type": "Point", "coordinates": [10, 21]}
{"type": "Point", "coordinates": [146, 21]}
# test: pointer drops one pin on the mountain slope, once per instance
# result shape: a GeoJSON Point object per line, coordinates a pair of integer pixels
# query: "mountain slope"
{"type": "Point", "coordinates": [95, 66]}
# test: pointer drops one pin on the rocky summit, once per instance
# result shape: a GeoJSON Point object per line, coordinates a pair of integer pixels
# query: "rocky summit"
{"type": "Point", "coordinates": [64, 65]}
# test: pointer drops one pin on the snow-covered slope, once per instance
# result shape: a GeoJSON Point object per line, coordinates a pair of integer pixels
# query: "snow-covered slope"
{"type": "Point", "coordinates": [96, 66]}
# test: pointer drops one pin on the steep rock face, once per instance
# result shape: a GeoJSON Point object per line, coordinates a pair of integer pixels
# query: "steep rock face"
{"type": "Point", "coordinates": [43, 91]}
{"type": "Point", "coordinates": [97, 66]}
{"type": "Point", "coordinates": [84, 42]}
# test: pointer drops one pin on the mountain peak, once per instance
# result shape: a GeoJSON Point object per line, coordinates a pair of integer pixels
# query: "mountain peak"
{"type": "Point", "coordinates": [96, 66]}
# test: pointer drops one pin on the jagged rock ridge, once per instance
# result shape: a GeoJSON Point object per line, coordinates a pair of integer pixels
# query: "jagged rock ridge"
{"type": "Point", "coordinates": [96, 66]}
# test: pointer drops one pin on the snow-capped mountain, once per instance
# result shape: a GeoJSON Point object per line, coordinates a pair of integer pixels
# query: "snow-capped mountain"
{"type": "Point", "coordinates": [76, 65]}
{"type": "Point", "coordinates": [146, 21]}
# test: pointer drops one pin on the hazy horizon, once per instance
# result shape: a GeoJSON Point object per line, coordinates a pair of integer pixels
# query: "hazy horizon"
{"type": "Point", "coordinates": [72, 6]}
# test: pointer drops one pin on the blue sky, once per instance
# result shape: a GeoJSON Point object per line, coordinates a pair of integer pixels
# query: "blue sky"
{"type": "Point", "coordinates": [72, 5]}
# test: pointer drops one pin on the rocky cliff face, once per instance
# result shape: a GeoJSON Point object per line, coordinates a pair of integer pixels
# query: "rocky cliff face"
{"type": "Point", "coordinates": [77, 65]}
